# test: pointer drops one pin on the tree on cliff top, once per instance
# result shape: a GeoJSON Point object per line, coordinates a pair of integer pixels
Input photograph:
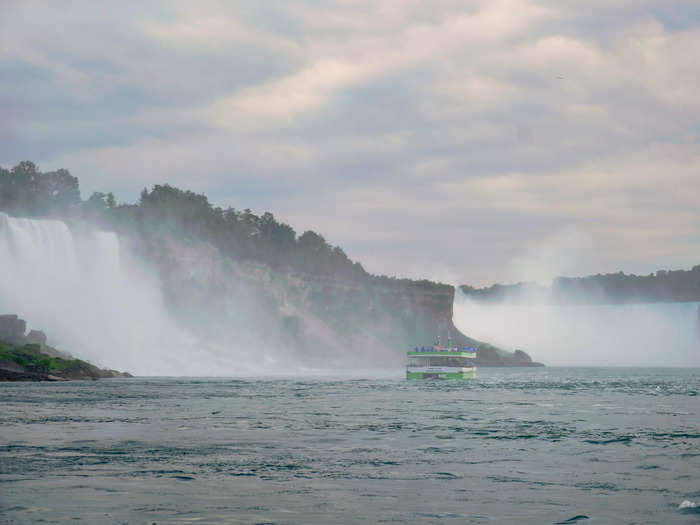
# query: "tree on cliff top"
{"type": "Point", "coordinates": [24, 190]}
{"type": "Point", "coordinates": [187, 216]}
{"type": "Point", "coordinates": [611, 288]}
{"type": "Point", "coordinates": [244, 235]}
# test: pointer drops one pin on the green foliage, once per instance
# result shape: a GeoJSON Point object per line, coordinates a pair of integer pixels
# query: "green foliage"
{"type": "Point", "coordinates": [190, 217]}
{"type": "Point", "coordinates": [661, 286]}
{"type": "Point", "coordinates": [166, 211]}
{"type": "Point", "coordinates": [664, 285]}
{"type": "Point", "coordinates": [24, 190]}
{"type": "Point", "coordinates": [30, 357]}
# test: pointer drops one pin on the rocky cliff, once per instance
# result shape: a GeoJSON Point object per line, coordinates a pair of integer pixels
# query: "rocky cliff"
{"type": "Point", "coordinates": [243, 287]}
{"type": "Point", "coordinates": [322, 320]}
{"type": "Point", "coordinates": [12, 328]}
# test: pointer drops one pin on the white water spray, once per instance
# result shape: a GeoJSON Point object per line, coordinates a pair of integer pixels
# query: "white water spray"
{"type": "Point", "coordinates": [95, 301]}
{"type": "Point", "coordinates": [593, 335]}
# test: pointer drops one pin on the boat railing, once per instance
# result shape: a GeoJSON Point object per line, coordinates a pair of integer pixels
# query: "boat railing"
{"type": "Point", "coordinates": [442, 349]}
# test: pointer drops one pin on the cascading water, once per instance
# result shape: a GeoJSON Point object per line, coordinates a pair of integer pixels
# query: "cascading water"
{"type": "Point", "coordinates": [659, 334]}
{"type": "Point", "coordinates": [97, 301]}
{"type": "Point", "coordinates": [94, 300]}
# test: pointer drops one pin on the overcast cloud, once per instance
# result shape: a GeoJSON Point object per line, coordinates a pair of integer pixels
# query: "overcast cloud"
{"type": "Point", "coordinates": [469, 141]}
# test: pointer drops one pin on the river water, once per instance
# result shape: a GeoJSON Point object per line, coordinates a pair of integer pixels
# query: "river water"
{"type": "Point", "coordinates": [513, 446]}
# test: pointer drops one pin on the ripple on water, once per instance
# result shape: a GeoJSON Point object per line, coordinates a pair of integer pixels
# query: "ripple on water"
{"type": "Point", "coordinates": [355, 451]}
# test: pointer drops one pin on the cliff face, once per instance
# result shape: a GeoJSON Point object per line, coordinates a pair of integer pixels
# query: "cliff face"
{"type": "Point", "coordinates": [12, 328]}
{"type": "Point", "coordinates": [320, 320]}
{"type": "Point", "coordinates": [334, 314]}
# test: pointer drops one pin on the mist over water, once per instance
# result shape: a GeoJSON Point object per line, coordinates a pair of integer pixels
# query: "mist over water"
{"type": "Point", "coordinates": [98, 301]}
{"type": "Point", "coordinates": [658, 334]}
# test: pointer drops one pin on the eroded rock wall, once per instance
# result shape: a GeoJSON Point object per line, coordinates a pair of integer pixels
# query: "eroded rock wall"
{"type": "Point", "coordinates": [320, 320]}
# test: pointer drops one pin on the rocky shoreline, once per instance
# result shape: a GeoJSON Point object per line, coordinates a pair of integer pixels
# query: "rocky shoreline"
{"type": "Point", "coordinates": [29, 358]}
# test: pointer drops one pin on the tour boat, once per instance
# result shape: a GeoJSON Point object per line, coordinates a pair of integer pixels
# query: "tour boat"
{"type": "Point", "coordinates": [439, 362]}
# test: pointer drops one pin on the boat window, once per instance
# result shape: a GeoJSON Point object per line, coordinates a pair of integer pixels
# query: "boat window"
{"type": "Point", "coordinates": [450, 361]}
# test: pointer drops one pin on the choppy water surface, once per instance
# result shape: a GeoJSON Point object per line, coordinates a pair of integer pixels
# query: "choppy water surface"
{"type": "Point", "coordinates": [513, 446]}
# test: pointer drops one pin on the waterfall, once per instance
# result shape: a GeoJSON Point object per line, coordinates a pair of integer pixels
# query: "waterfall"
{"type": "Point", "coordinates": [656, 334]}
{"type": "Point", "coordinates": [93, 299]}
{"type": "Point", "coordinates": [99, 302]}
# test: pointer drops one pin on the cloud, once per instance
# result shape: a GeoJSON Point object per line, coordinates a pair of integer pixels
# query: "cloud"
{"type": "Point", "coordinates": [285, 98]}
{"type": "Point", "coordinates": [428, 140]}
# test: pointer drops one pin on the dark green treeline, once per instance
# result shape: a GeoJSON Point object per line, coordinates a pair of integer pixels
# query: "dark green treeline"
{"type": "Point", "coordinates": [184, 215]}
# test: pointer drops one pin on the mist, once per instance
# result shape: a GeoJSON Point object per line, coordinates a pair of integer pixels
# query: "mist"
{"type": "Point", "coordinates": [657, 334]}
{"type": "Point", "coordinates": [97, 300]}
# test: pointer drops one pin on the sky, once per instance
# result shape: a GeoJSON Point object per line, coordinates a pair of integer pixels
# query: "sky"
{"type": "Point", "coordinates": [466, 141]}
